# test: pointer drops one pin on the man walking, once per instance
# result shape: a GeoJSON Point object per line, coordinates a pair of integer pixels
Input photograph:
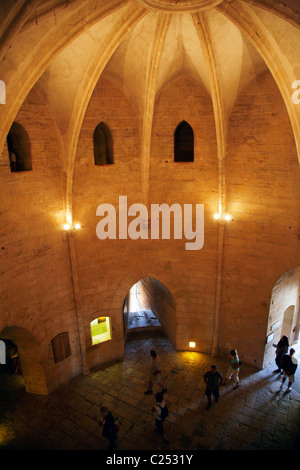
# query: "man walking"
{"type": "Point", "coordinates": [213, 378]}
{"type": "Point", "coordinates": [155, 374]}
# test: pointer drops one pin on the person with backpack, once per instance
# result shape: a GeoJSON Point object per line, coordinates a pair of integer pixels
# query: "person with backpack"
{"type": "Point", "coordinates": [160, 411]}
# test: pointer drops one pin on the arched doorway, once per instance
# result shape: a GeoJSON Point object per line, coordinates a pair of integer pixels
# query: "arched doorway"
{"type": "Point", "coordinates": [284, 313]}
{"type": "Point", "coordinates": [25, 355]}
{"type": "Point", "coordinates": [288, 324]}
{"type": "Point", "coordinates": [11, 377]}
{"type": "Point", "coordinates": [140, 314]}
{"type": "Point", "coordinates": [150, 306]}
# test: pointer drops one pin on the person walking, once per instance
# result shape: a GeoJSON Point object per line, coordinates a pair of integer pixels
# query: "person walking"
{"type": "Point", "coordinates": [160, 411]}
{"type": "Point", "coordinates": [213, 379]}
{"type": "Point", "coordinates": [155, 374]}
{"type": "Point", "coordinates": [233, 370]}
{"type": "Point", "coordinates": [281, 349]}
{"type": "Point", "coordinates": [289, 366]}
{"type": "Point", "coordinates": [110, 431]}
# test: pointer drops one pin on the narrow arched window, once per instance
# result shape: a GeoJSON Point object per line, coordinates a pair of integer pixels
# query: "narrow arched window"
{"type": "Point", "coordinates": [61, 347]}
{"type": "Point", "coordinates": [103, 152]}
{"type": "Point", "coordinates": [2, 92]}
{"type": "Point", "coordinates": [19, 151]}
{"type": "Point", "coordinates": [184, 143]}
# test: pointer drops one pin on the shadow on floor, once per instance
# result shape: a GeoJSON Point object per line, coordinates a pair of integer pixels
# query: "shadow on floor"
{"type": "Point", "coordinates": [257, 416]}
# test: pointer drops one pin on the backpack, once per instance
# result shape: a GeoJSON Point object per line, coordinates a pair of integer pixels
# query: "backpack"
{"type": "Point", "coordinates": [164, 412]}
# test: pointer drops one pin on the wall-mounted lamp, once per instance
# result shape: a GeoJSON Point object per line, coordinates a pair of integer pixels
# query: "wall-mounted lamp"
{"type": "Point", "coordinates": [219, 216]}
{"type": "Point", "coordinates": [192, 344]}
{"type": "Point", "coordinates": [69, 227]}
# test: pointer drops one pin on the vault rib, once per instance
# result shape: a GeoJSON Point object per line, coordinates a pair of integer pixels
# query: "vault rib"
{"type": "Point", "coordinates": [10, 28]}
{"type": "Point", "coordinates": [264, 42]}
{"type": "Point", "coordinates": [205, 39]}
{"type": "Point", "coordinates": [53, 42]}
{"type": "Point", "coordinates": [88, 84]}
{"type": "Point", "coordinates": [278, 8]}
{"type": "Point", "coordinates": [152, 74]}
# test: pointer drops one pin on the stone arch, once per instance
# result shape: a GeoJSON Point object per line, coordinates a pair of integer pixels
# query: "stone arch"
{"type": "Point", "coordinates": [30, 360]}
{"type": "Point", "coordinates": [18, 144]}
{"type": "Point", "coordinates": [284, 302]}
{"type": "Point", "coordinates": [168, 318]}
{"type": "Point", "coordinates": [158, 299]}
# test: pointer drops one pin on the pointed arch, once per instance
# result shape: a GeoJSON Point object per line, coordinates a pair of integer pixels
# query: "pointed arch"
{"type": "Point", "coordinates": [184, 143]}
{"type": "Point", "coordinates": [103, 147]}
{"type": "Point", "coordinates": [19, 150]}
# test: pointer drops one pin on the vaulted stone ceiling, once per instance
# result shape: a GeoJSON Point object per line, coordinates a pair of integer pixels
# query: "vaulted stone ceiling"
{"type": "Point", "coordinates": [64, 47]}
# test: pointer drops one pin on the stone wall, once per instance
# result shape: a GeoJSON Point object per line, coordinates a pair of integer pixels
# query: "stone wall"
{"type": "Point", "coordinates": [103, 264]}
{"type": "Point", "coordinates": [191, 274]}
{"type": "Point", "coordinates": [260, 244]}
{"type": "Point", "coordinates": [36, 283]}
{"type": "Point", "coordinates": [263, 194]}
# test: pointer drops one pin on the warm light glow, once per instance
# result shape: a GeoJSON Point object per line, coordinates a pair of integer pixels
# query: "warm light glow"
{"type": "Point", "coordinates": [77, 226]}
{"type": "Point", "coordinates": [69, 218]}
{"type": "Point", "coordinates": [220, 216]}
{"type": "Point", "coordinates": [192, 344]}
{"type": "Point", "coordinates": [100, 330]}
{"type": "Point", "coordinates": [67, 227]}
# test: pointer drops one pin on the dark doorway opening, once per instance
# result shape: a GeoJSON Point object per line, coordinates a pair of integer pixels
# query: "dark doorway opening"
{"type": "Point", "coordinates": [138, 313]}
{"type": "Point", "coordinates": [11, 378]}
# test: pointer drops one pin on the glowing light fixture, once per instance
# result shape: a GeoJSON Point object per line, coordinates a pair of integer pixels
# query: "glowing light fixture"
{"type": "Point", "coordinates": [70, 227]}
{"type": "Point", "coordinates": [192, 344]}
{"type": "Point", "coordinates": [220, 216]}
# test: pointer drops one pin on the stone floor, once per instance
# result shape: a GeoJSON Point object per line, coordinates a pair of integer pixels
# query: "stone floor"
{"type": "Point", "coordinates": [257, 416]}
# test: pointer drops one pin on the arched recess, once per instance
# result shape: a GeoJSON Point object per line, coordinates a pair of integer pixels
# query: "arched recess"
{"type": "Point", "coordinates": [30, 360]}
{"type": "Point", "coordinates": [137, 314]}
{"type": "Point", "coordinates": [159, 300]}
{"type": "Point", "coordinates": [284, 313]}
{"type": "Point", "coordinates": [288, 321]}
{"type": "Point", "coordinates": [19, 151]}
{"type": "Point", "coordinates": [184, 143]}
{"type": "Point", "coordinates": [103, 145]}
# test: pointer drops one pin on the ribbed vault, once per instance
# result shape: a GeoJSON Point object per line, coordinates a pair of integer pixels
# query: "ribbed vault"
{"type": "Point", "coordinates": [146, 66]}
{"type": "Point", "coordinates": [144, 45]}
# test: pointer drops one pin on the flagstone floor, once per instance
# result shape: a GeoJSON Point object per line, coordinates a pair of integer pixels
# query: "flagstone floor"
{"type": "Point", "coordinates": [257, 416]}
